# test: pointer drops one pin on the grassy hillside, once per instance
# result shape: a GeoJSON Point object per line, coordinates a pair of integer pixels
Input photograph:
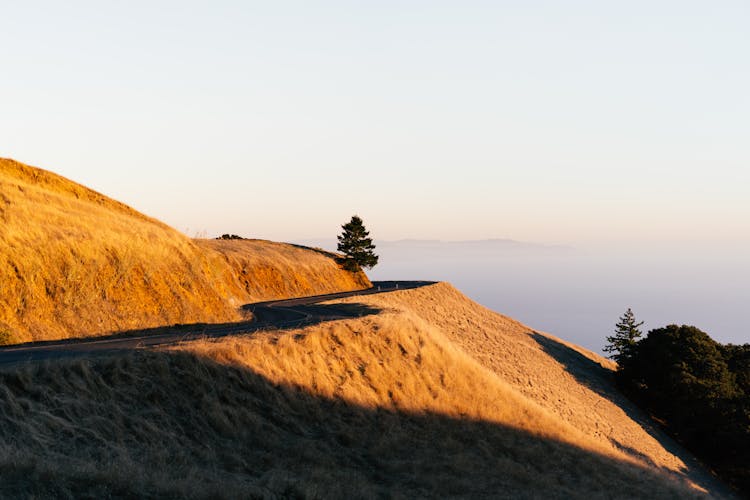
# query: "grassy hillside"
{"type": "Point", "coordinates": [569, 382]}
{"type": "Point", "coordinates": [76, 263]}
{"type": "Point", "coordinates": [73, 262]}
{"type": "Point", "coordinates": [386, 405]}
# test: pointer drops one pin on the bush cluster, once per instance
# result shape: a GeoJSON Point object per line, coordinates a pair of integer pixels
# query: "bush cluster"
{"type": "Point", "coordinates": [700, 389]}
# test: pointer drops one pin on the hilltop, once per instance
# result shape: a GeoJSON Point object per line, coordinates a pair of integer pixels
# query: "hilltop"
{"type": "Point", "coordinates": [74, 263]}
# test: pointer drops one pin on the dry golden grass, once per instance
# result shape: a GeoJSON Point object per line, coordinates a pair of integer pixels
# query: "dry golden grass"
{"type": "Point", "coordinates": [73, 262]}
{"type": "Point", "coordinates": [261, 270]}
{"type": "Point", "coordinates": [386, 405]}
{"type": "Point", "coordinates": [569, 382]}
{"type": "Point", "coordinates": [378, 407]}
{"type": "Point", "coordinates": [76, 263]}
{"type": "Point", "coordinates": [390, 361]}
{"type": "Point", "coordinates": [436, 352]}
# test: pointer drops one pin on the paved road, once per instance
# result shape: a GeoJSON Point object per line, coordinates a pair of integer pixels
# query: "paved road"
{"type": "Point", "coordinates": [288, 313]}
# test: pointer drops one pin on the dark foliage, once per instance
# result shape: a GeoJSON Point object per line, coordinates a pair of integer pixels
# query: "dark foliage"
{"type": "Point", "coordinates": [738, 359]}
{"type": "Point", "coordinates": [356, 245]}
{"type": "Point", "coordinates": [230, 237]}
{"type": "Point", "coordinates": [700, 389]}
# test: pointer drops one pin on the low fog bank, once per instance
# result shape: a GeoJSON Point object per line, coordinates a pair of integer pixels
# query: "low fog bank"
{"type": "Point", "coordinates": [579, 293]}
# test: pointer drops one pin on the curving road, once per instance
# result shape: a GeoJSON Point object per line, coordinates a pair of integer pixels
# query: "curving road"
{"type": "Point", "coordinates": [287, 313]}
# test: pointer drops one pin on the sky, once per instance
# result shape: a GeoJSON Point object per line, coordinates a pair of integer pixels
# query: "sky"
{"type": "Point", "coordinates": [577, 122]}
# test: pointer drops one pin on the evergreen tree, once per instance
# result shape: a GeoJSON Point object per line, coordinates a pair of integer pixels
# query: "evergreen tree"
{"type": "Point", "coordinates": [622, 343]}
{"type": "Point", "coordinates": [355, 244]}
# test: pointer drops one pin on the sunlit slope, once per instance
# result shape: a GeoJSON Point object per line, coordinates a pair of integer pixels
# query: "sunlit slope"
{"type": "Point", "coordinates": [397, 362]}
{"type": "Point", "coordinates": [571, 383]}
{"type": "Point", "coordinates": [382, 406]}
{"type": "Point", "coordinates": [261, 270]}
{"type": "Point", "coordinates": [76, 263]}
{"type": "Point", "coordinates": [73, 262]}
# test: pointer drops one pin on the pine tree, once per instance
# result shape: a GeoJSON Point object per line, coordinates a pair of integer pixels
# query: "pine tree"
{"type": "Point", "coordinates": [626, 336]}
{"type": "Point", "coordinates": [355, 244]}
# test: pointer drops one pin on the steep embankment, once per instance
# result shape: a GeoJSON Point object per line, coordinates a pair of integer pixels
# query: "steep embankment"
{"type": "Point", "coordinates": [76, 263]}
{"type": "Point", "coordinates": [388, 404]}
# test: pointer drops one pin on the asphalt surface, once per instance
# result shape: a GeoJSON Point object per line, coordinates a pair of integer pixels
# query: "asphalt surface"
{"type": "Point", "coordinates": [288, 313]}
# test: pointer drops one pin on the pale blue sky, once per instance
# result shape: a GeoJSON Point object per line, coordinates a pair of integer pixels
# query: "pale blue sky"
{"type": "Point", "coordinates": [561, 122]}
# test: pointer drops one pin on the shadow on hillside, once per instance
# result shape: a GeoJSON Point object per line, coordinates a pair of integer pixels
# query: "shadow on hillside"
{"type": "Point", "coordinates": [586, 371]}
{"type": "Point", "coordinates": [339, 311]}
{"type": "Point", "coordinates": [212, 430]}
{"type": "Point", "coordinates": [602, 381]}
{"type": "Point", "coordinates": [308, 314]}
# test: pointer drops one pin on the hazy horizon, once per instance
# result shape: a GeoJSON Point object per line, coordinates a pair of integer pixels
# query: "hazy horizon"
{"type": "Point", "coordinates": [579, 293]}
{"type": "Point", "coordinates": [569, 124]}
